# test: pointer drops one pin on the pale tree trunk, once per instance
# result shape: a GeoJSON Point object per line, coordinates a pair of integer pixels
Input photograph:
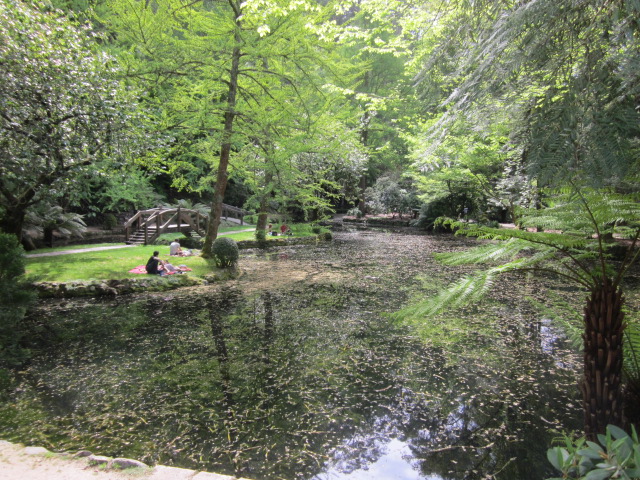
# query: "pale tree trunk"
{"type": "Point", "coordinates": [225, 150]}
{"type": "Point", "coordinates": [263, 215]}
{"type": "Point", "coordinates": [362, 201]}
{"type": "Point", "coordinates": [603, 336]}
{"type": "Point", "coordinates": [364, 138]}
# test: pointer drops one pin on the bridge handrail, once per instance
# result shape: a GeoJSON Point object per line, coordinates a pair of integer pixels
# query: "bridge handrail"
{"type": "Point", "coordinates": [152, 221]}
{"type": "Point", "coordinates": [151, 211]}
{"type": "Point", "coordinates": [129, 222]}
{"type": "Point", "coordinates": [235, 209]}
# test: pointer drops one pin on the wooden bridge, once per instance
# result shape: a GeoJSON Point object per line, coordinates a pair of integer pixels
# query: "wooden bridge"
{"type": "Point", "coordinates": [147, 225]}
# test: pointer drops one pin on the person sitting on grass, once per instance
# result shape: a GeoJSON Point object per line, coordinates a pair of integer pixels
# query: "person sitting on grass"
{"type": "Point", "coordinates": [155, 265]}
{"type": "Point", "coordinates": [285, 230]}
{"type": "Point", "coordinates": [175, 250]}
{"type": "Point", "coordinates": [170, 269]}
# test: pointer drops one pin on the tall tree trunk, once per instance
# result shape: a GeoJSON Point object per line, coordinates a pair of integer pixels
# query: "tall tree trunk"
{"type": "Point", "coordinates": [362, 201]}
{"type": "Point", "coordinates": [225, 150]}
{"type": "Point", "coordinates": [48, 236]}
{"type": "Point", "coordinates": [603, 336]}
{"type": "Point", "coordinates": [263, 217]}
{"type": "Point", "coordinates": [13, 221]}
{"type": "Point", "coordinates": [263, 214]}
{"type": "Point", "coordinates": [364, 140]}
{"type": "Point", "coordinates": [15, 207]}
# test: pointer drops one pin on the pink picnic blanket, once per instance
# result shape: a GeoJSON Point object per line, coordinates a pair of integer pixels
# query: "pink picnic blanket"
{"type": "Point", "coordinates": [142, 269]}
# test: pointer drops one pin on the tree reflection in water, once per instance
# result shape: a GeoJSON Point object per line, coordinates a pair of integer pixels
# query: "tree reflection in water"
{"type": "Point", "coordinates": [311, 381]}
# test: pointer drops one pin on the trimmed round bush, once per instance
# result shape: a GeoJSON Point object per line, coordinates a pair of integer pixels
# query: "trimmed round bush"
{"type": "Point", "coordinates": [354, 212]}
{"type": "Point", "coordinates": [110, 221]}
{"type": "Point", "coordinates": [225, 252]}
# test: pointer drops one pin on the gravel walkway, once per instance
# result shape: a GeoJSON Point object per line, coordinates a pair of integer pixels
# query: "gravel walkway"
{"type": "Point", "coordinates": [75, 250]}
{"type": "Point", "coordinates": [35, 463]}
{"type": "Point", "coordinates": [96, 249]}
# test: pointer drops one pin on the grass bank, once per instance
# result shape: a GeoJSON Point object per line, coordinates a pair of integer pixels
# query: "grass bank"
{"type": "Point", "coordinates": [116, 263]}
{"type": "Point", "coordinates": [104, 264]}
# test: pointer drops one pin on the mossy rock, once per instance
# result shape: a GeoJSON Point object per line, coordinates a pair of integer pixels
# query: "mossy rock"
{"type": "Point", "coordinates": [124, 286]}
{"type": "Point", "coordinates": [223, 274]}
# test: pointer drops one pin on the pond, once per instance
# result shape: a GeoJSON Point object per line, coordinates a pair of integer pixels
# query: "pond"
{"type": "Point", "coordinates": [297, 371]}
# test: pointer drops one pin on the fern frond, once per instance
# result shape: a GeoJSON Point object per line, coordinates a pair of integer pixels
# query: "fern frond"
{"type": "Point", "coordinates": [585, 213]}
{"type": "Point", "coordinates": [562, 313]}
{"type": "Point", "coordinates": [539, 240]}
{"type": "Point", "coordinates": [577, 253]}
{"type": "Point", "coordinates": [469, 289]}
{"type": "Point", "coordinates": [483, 253]}
{"type": "Point", "coordinates": [631, 350]}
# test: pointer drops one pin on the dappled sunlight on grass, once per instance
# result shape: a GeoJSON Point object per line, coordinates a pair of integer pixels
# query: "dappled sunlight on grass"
{"type": "Point", "coordinates": [107, 264]}
{"type": "Point", "coordinates": [116, 263]}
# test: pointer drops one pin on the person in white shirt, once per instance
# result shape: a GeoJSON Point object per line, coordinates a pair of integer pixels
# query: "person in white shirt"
{"type": "Point", "coordinates": [175, 249]}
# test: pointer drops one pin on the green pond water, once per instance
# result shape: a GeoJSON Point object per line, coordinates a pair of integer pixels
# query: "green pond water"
{"type": "Point", "coordinates": [296, 371]}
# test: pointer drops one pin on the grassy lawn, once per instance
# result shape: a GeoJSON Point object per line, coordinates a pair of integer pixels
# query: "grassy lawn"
{"type": "Point", "coordinates": [116, 263]}
{"type": "Point", "coordinates": [106, 264]}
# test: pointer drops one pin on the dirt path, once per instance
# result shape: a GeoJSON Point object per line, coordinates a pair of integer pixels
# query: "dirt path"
{"type": "Point", "coordinates": [17, 464]}
{"type": "Point", "coordinates": [97, 249]}
{"type": "Point", "coordinates": [34, 463]}
{"type": "Point", "coordinates": [76, 250]}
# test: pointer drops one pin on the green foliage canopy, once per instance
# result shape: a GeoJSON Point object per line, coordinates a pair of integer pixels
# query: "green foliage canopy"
{"type": "Point", "coordinates": [62, 112]}
{"type": "Point", "coordinates": [559, 74]}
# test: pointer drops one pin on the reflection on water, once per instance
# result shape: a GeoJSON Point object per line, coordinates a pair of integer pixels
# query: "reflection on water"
{"type": "Point", "coordinates": [396, 461]}
{"type": "Point", "coordinates": [295, 372]}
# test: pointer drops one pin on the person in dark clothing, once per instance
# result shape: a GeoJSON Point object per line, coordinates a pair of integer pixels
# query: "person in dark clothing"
{"type": "Point", "coordinates": [154, 264]}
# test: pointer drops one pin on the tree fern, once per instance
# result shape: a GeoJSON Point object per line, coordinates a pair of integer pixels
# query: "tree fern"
{"type": "Point", "coordinates": [579, 253]}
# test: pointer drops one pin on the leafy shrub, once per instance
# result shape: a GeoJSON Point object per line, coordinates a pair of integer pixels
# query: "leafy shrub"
{"type": "Point", "coordinates": [616, 456]}
{"type": "Point", "coordinates": [491, 224]}
{"type": "Point", "coordinates": [225, 252]}
{"type": "Point", "coordinates": [165, 239]}
{"type": "Point", "coordinates": [429, 212]}
{"type": "Point", "coordinates": [185, 242]}
{"type": "Point", "coordinates": [250, 219]}
{"type": "Point", "coordinates": [354, 212]}
{"type": "Point", "coordinates": [191, 242]}
{"type": "Point", "coordinates": [261, 235]}
{"type": "Point", "coordinates": [110, 221]}
{"type": "Point", "coordinates": [316, 229]}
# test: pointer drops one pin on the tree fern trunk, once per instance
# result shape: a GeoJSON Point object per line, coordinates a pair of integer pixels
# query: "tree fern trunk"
{"type": "Point", "coordinates": [601, 389]}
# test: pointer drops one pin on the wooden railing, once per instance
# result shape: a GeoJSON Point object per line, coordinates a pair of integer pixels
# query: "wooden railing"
{"type": "Point", "coordinates": [147, 225]}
